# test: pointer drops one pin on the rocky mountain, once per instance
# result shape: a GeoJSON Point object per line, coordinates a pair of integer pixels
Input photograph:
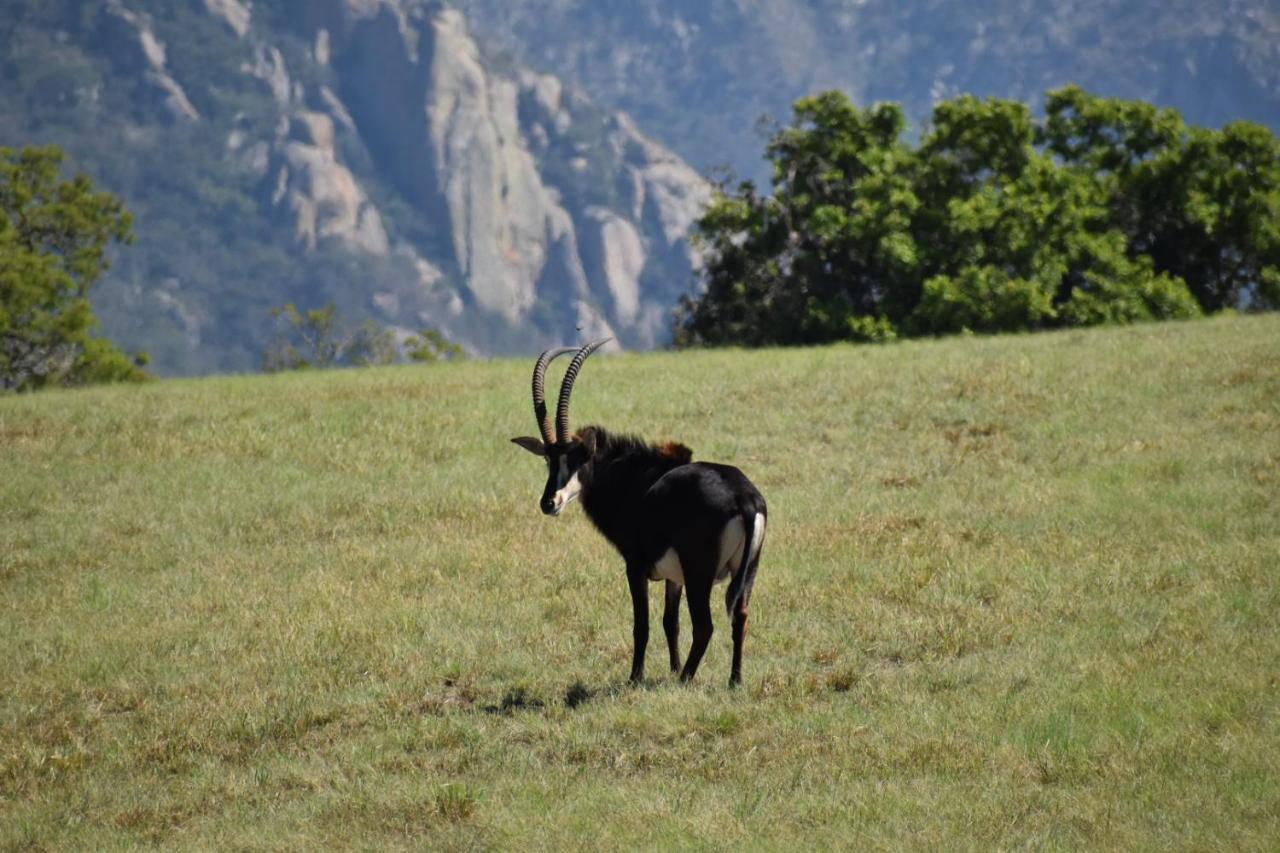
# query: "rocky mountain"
{"type": "Point", "coordinates": [503, 170]}
{"type": "Point", "coordinates": [365, 152]}
{"type": "Point", "coordinates": [702, 74]}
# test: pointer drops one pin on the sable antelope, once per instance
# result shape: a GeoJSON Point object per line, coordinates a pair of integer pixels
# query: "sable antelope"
{"type": "Point", "coordinates": [691, 524]}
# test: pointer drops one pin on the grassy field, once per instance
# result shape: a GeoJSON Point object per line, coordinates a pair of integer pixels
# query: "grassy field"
{"type": "Point", "coordinates": [1017, 592]}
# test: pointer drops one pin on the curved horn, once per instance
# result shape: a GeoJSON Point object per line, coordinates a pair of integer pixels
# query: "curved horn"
{"type": "Point", "coordinates": [566, 388]}
{"type": "Point", "coordinates": [539, 393]}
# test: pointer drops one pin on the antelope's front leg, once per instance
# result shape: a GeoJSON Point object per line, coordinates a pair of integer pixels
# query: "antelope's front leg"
{"type": "Point", "coordinates": [638, 580]}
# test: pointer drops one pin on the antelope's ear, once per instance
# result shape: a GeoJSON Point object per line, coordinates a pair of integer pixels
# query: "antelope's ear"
{"type": "Point", "coordinates": [588, 438]}
{"type": "Point", "coordinates": [531, 444]}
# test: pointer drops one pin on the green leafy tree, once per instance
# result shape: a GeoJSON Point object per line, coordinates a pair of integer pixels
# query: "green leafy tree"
{"type": "Point", "coordinates": [1105, 211]}
{"type": "Point", "coordinates": [1203, 204]}
{"type": "Point", "coordinates": [371, 345]}
{"type": "Point", "coordinates": [305, 339]}
{"type": "Point", "coordinates": [826, 256]}
{"type": "Point", "coordinates": [54, 235]}
{"type": "Point", "coordinates": [1016, 239]}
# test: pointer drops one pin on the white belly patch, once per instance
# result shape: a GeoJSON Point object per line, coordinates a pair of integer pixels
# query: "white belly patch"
{"type": "Point", "coordinates": [668, 568]}
{"type": "Point", "coordinates": [733, 540]}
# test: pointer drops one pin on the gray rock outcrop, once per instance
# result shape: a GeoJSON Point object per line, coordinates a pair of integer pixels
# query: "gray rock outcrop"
{"type": "Point", "coordinates": [137, 43]}
{"type": "Point", "coordinates": [489, 157]}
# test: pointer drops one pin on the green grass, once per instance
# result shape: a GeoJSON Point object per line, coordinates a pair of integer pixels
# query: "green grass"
{"type": "Point", "coordinates": [1017, 592]}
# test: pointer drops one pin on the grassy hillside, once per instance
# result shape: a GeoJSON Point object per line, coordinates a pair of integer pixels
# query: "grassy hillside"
{"type": "Point", "coordinates": [1018, 591]}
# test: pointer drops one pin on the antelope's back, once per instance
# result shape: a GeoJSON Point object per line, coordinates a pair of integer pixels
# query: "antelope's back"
{"type": "Point", "coordinates": [698, 498]}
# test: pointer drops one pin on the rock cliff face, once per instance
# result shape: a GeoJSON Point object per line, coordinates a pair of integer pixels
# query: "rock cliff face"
{"type": "Point", "coordinates": [480, 153]}
{"type": "Point", "coordinates": [325, 200]}
{"type": "Point", "coordinates": [364, 152]}
{"type": "Point", "coordinates": [137, 45]}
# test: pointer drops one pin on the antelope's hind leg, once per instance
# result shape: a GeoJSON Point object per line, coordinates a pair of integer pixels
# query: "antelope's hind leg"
{"type": "Point", "coordinates": [739, 616]}
{"type": "Point", "coordinates": [739, 635]}
{"type": "Point", "coordinates": [699, 600]}
{"type": "Point", "coordinates": [671, 622]}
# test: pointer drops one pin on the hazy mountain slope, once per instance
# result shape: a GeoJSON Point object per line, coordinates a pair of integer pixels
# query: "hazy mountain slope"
{"type": "Point", "coordinates": [364, 152]}
{"type": "Point", "coordinates": [701, 74]}
{"type": "Point", "coordinates": [374, 154]}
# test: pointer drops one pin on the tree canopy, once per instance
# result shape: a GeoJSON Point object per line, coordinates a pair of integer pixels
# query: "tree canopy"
{"type": "Point", "coordinates": [53, 239]}
{"type": "Point", "coordinates": [1105, 211]}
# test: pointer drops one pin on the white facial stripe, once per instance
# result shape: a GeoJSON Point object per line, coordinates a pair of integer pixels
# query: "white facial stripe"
{"type": "Point", "coordinates": [568, 492]}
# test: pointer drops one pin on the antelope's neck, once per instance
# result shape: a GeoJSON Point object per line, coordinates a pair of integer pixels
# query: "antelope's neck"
{"type": "Point", "coordinates": [612, 491]}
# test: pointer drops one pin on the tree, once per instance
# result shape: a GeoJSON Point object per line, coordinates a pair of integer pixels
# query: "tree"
{"type": "Point", "coordinates": [1018, 240]}
{"type": "Point", "coordinates": [1203, 204]}
{"type": "Point", "coordinates": [431, 345]}
{"type": "Point", "coordinates": [304, 340]}
{"type": "Point", "coordinates": [1105, 211]}
{"type": "Point", "coordinates": [53, 240]}
{"type": "Point", "coordinates": [319, 338]}
{"type": "Point", "coordinates": [826, 256]}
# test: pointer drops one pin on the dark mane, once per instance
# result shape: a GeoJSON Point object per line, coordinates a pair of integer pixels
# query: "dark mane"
{"type": "Point", "coordinates": [623, 467]}
{"type": "Point", "coordinates": [620, 446]}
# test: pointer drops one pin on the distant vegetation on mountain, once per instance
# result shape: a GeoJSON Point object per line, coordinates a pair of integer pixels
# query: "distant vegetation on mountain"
{"type": "Point", "coordinates": [701, 75]}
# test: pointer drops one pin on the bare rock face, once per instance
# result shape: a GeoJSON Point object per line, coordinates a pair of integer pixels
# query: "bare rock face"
{"type": "Point", "coordinates": [617, 258]}
{"type": "Point", "coordinates": [268, 66]}
{"type": "Point", "coordinates": [535, 217]}
{"type": "Point", "coordinates": [136, 41]}
{"type": "Point", "coordinates": [322, 194]}
{"type": "Point", "coordinates": [307, 178]}
{"type": "Point", "coordinates": [529, 219]}
{"type": "Point", "coordinates": [495, 200]}
{"type": "Point", "coordinates": [235, 13]}
{"type": "Point", "coordinates": [671, 193]}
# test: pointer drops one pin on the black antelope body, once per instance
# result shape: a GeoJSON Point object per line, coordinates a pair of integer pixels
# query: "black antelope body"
{"type": "Point", "coordinates": [691, 524]}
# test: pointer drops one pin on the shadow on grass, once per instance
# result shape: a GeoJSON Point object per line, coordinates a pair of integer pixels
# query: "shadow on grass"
{"type": "Point", "coordinates": [515, 699]}
{"type": "Point", "coordinates": [576, 695]}
{"type": "Point", "coordinates": [520, 699]}
{"type": "Point", "coordinates": [461, 696]}
{"type": "Point", "coordinates": [579, 694]}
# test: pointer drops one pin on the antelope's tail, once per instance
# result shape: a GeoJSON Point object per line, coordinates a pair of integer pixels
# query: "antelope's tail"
{"type": "Point", "coordinates": [739, 590]}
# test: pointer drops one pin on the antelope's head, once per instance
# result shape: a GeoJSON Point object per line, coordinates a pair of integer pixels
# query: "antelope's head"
{"type": "Point", "coordinates": [565, 454]}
